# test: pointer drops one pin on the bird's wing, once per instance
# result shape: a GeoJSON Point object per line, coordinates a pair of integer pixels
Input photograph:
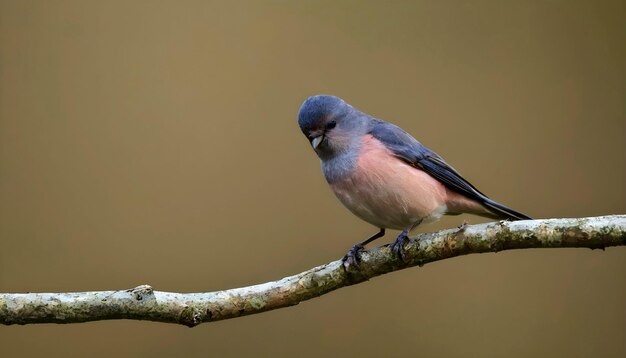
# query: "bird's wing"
{"type": "Point", "coordinates": [407, 148]}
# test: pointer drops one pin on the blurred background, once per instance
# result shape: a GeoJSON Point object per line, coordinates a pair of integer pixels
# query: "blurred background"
{"type": "Point", "coordinates": [155, 142]}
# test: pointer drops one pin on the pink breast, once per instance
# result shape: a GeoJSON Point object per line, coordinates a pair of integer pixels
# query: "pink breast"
{"type": "Point", "coordinates": [387, 192]}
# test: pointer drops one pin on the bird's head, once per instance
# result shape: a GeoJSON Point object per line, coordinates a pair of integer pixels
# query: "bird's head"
{"type": "Point", "coordinates": [330, 124]}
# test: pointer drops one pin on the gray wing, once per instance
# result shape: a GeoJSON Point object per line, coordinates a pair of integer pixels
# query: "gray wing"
{"type": "Point", "coordinates": [407, 148]}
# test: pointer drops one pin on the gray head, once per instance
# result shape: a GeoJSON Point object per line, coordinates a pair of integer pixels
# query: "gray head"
{"type": "Point", "coordinates": [331, 125]}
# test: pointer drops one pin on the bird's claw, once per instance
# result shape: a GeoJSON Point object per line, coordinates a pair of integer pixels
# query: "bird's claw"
{"type": "Point", "coordinates": [398, 247]}
{"type": "Point", "coordinates": [353, 257]}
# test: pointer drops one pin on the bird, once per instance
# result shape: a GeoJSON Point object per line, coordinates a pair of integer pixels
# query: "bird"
{"type": "Point", "coordinates": [384, 176]}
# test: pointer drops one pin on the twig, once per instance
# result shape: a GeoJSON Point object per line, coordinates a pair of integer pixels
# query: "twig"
{"type": "Point", "coordinates": [191, 309]}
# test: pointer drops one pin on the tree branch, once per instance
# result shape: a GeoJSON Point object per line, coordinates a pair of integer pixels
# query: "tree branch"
{"type": "Point", "coordinates": [191, 309]}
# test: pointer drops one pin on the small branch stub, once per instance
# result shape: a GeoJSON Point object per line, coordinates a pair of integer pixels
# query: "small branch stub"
{"type": "Point", "coordinates": [191, 309]}
{"type": "Point", "coordinates": [142, 291]}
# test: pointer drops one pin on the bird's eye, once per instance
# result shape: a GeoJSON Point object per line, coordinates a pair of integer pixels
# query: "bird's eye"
{"type": "Point", "coordinates": [331, 125]}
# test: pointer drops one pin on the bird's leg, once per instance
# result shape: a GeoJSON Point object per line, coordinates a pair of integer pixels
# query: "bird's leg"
{"type": "Point", "coordinates": [398, 246]}
{"type": "Point", "coordinates": [353, 255]}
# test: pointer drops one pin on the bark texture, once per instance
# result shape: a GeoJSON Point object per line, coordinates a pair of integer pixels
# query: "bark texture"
{"type": "Point", "coordinates": [191, 309]}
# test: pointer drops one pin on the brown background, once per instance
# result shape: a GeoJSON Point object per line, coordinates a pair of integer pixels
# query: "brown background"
{"type": "Point", "coordinates": [156, 142]}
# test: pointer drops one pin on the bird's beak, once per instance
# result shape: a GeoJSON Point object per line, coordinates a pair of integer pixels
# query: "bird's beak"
{"type": "Point", "coordinates": [317, 140]}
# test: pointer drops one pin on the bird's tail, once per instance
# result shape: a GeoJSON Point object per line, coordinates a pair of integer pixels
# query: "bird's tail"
{"type": "Point", "coordinates": [502, 212]}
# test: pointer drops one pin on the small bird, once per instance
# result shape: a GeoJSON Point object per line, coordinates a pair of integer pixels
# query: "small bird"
{"type": "Point", "coordinates": [385, 176]}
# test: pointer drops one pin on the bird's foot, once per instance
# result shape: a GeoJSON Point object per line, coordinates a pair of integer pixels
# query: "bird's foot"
{"type": "Point", "coordinates": [398, 246]}
{"type": "Point", "coordinates": [353, 257]}
{"type": "Point", "coordinates": [462, 227]}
